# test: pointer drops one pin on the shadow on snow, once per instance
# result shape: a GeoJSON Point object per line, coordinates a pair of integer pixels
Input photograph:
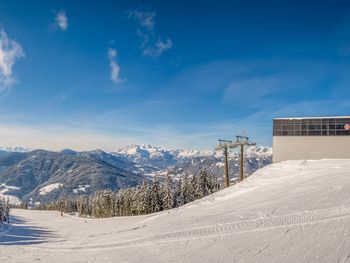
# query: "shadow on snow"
{"type": "Point", "coordinates": [20, 233]}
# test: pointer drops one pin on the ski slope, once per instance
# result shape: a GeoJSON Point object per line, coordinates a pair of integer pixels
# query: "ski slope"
{"type": "Point", "coordinates": [295, 211]}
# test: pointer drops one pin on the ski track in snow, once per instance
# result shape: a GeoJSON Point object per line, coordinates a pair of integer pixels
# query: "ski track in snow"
{"type": "Point", "coordinates": [263, 223]}
{"type": "Point", "coordinates": [259, 224]}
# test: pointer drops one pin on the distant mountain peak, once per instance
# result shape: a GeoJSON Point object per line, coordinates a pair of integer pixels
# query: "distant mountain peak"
{"type": "Point", "coordinates": [147, 150]}
{"type": "Point", "coordinates": [15, 149]}
{"type": "Point", "coordinates": [69, 152]}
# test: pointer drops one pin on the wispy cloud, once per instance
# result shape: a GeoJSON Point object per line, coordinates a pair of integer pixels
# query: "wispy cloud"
{"type": "Point", "coordinates": [158, 49]}
{"type": "Point", "coordinates": [10, 51]}
{"type": "Point", "coordinates": [144, 18]}
{"type": "Point", "coordinates": [151, 44]}
{"type": "Point", "coordinates": [114, 67]}
{"type": "Point", "coordinates": [61, 20]}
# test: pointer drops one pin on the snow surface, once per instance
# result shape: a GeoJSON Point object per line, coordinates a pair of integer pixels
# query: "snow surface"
{"type": "Point", "coordinates": [295, 211]}
{"type": "Point", "coordinates": [49, 188]}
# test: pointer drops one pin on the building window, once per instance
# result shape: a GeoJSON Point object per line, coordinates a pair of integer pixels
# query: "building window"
{"type": "Point", "coordinates": [312, 127]}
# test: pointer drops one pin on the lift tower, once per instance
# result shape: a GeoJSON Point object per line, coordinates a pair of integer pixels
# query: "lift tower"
{"type": "Point", "coordinates": [225, 145]}
{"type": "Point", "coordinates": [242, 141]}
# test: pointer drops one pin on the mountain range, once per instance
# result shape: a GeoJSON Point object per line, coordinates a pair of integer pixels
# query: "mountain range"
{"type": "Point", "coordinates": [37, 176]}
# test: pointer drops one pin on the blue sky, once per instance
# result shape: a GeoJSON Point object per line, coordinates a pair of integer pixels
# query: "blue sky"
{"type": "Point", "coordinates": [178, 74]}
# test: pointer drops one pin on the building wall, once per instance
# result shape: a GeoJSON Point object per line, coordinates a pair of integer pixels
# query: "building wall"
{"type": "Point", "coordinates": [310, 147]}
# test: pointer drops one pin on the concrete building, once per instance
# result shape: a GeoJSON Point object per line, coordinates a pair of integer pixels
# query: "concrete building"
{"type": "Point", "coordinates": [311, 138]}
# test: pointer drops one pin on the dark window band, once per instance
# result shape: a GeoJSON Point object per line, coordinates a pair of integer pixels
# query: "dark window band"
{"type": "Point", "coordinates": [311, 127]}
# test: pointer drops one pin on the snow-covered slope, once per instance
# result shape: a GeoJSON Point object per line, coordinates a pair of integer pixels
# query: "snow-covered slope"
{"type": "Point", "coordinates": [296, 211]}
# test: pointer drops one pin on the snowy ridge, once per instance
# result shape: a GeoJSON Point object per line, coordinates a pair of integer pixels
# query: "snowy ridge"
{"type": "Point", "coordinates": [15, 149]}
{"type": "Point", "coordinates": [146, 150]}
{"type": "Point", "coordinates": [180, 162]}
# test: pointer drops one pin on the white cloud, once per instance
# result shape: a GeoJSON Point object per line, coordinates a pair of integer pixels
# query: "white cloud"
{"type": "Point", "coordinates": [151, 45]}
{"type": "Point", "coordinates": [62, 20]}
{"type": "Point", "coordinates": [114, 67]}
{"type": "Point", "coordinates": [158, 49]}
{"type": "Point", "coordinates": [10, 51]}
{"type": "Point", "coordinates": [112, 53]}
{"type": "Point", "coordinates": [145, 19]}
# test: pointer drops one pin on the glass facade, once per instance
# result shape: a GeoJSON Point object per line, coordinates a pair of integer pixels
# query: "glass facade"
{"type": "Point", "coordinates": [312, 127]}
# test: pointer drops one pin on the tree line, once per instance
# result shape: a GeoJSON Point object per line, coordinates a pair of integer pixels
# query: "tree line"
{"type": "Point", "coordinates": [4, 210]}
{"type": "Point", "coordinates": [146, 198]}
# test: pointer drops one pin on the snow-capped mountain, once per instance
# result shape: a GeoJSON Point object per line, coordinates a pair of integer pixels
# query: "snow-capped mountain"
{"type": "Point", "coordinates": [44, 176]}
{"type": "Point", "coordinates": [179, 162]}
{"type": "Point", "coordinates": [148, 152]}
{"type": "Point", "coordinates": [160, 158]}
{"type": "Point", "coordinates": [15, 149]}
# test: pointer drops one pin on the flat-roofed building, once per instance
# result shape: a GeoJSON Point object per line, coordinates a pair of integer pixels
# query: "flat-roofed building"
{"type": "Point", "coordinates": [311, 138]}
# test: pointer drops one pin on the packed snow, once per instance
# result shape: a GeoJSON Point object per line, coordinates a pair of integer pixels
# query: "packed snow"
{"type": "Point", "coordinates": [49, 188]}
{"type": "Point", "coordinates": [295, 211]}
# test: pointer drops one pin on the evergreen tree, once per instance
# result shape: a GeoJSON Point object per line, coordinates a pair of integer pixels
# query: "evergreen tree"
{"type": "Point", "coordinates": [214, 185]}
{"type": "Point", "coordinates": [168, 194]}
{"type": "Point", "coordinates": [148, 199]}
{"type": "Point", "coordinates": [203, 183]}
{"type": "Point", "coordinates": [192, 189]}
{"type": "Point", "coordinates": [102, 204]}
{"type": "Point", "coordinates": [134, 196]}
{"type": "Point", "coordinates": [4, 210]}
{"type": "Point", "coordinates": [179, 201]}
{"type": "Point", "coordinates": [156, 201]}
{"type": "Point", "coordinates": [83, 206]}
{"type": "Point", "coordinates": [143, 199]}
{"type": "Point", "coordinates": [184, 190]}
